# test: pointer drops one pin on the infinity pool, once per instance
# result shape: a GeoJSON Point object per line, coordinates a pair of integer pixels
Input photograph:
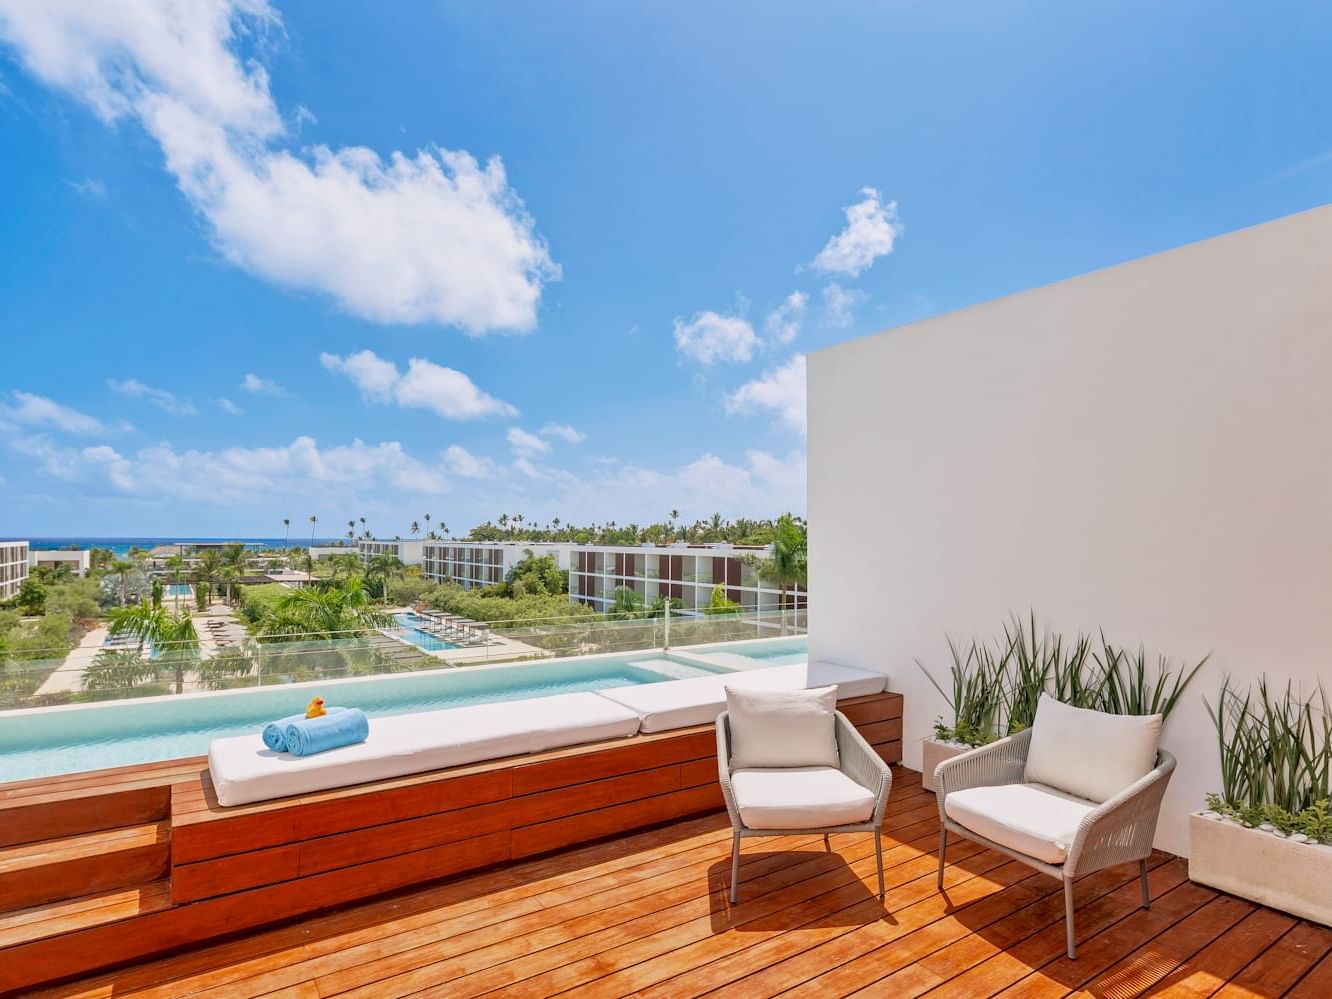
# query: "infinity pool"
{"type": "Point", "coordinates": [40, 742]}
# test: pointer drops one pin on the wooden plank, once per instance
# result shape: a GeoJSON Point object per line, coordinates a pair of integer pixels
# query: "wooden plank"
{"type": "Point", "coordinates": [890, 752]}
{"type": "Point", "coordinates": [59, 957]}
{"type": "Point", "coordinates": [870, 709]}
{"type": "Point", "coordinates": [633, 756]}
{"type": "Point", "coordinates": [88, 810]}
{"type": "Point", "coordinates": [1281, 965]}
{"type": "Point", "coordinates": [85, 865]}
{"type": "Point", "coordinates": [884, 731]}
{"type": "Point", "coordinates": [90, 910]}
{"type": "Point", "coordinates": [551, 835]}
{"type": "Point", "coordinates": [222, 875]}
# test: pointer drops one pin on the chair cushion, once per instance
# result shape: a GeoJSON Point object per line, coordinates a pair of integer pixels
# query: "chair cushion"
{"type": "Point", "coordinates": [1031, 819]}
{"type": "Point", "coordinates": [1090, 754]}
{"type": "Point", "coordinates": [681, 703]}
{"type": "Point", "coordinates": [782, 728]}
{"type": "Point", "coordinates": [799, 798]}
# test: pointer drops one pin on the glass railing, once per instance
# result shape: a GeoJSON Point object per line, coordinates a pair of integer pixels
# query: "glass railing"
{"type": "Point", "coordinates": [42, 679]}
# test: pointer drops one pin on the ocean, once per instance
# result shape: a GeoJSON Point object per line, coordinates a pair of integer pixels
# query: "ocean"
{"type": "Point", "coordinates": [121, 546]}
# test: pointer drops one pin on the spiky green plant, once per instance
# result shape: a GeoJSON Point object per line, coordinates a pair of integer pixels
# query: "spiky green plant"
{"type": "Point", "coordinates": [1128, 687]}
{"type": "Point", "coordinates": [976, 698]}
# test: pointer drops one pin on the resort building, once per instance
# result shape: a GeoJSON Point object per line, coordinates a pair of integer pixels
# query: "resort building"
{"type": "Point", "coordinates": [483, 563]}
{"type": "Point", "coordinates": [78, 562]}
{"type": "Point", "coordinates": [318, 552]}
{"type": "Point", "coordinates": [687, 573]}
{"type": "Point", "coordinates": [407, 552]}
{"type": "Point", "coordinates": [13, 567]}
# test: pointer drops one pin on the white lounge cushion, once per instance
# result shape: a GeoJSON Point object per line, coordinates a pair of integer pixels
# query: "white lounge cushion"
{"type": "Point", "coordinates": [1090, 754]}
{"type": "Point", "coordinates": [782, 728]}
{"type": "Point", "coordinates": [682, 703]}
{"type": "Point", "coordinates": [243, 770]}
{"type": "Point", "coordinates": [800, 798]}
{"type": "Point", "coordinates": [1031, 819]}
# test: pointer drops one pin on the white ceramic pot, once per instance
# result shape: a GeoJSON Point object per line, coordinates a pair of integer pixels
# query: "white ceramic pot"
{"type": "Point", "coordinates": [933, 753]}
{"type": "Point", "coordinates": [1255, 864]}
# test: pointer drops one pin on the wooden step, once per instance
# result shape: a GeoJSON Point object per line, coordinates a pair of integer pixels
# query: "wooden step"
{"type": "Point", "coordinates": [29, 815]}
{"type": "Point", "coordinates": [33, 874]}
{"type": "Point", "coordinates": [68, 915]}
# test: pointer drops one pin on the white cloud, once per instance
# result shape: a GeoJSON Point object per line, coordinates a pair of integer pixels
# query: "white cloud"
{"type": "Point", "coordinates": [464, 464]}
{"type": "Point", "coordinates": [527, 468]}
{"type": "Point", "coordinates": [839, 303]}
{"type": "Point", "coordinates": [709, 337]}
{"type": "Point", "coordinates": [425, 385]}
{"type": "Point", "coordinates": [526, 444]}
{"type": "Point", "coordinates": [871, 230]}
{"type": "Point", "coordinates": [262, 386]}
{"type": "Point", "coordinates": [782, 391]}
{"type": "Point", "coordinates": [89, 187]}
{"type": "Point", "coordinates": [784, 322]}
{"type": "Point", "coordinates": [564, 432]}
{"type": "Point", "coordinates": [167, 402]}
{"type": "Point", "coordinates": [30, 410]}
{"type": "Point", "coordinates": [241, 475]}
{"type": "Point", "coordinates": [227, 406]}
{"type": "Point", "coordinates": [429, 237]}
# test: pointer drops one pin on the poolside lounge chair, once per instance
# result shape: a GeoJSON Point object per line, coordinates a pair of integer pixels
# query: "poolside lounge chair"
{"type": "Point", "coordinates": [1077, 792]}
{"type": "Point", "coordinates": [801, 768]}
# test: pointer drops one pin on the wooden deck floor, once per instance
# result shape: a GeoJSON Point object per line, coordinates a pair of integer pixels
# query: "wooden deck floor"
{"type": "Point", "coordinates": [648, 915]}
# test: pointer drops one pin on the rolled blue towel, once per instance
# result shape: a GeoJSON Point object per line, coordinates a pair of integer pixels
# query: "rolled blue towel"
{"type": "Point", "coordinates": [315, 735]}
{"type": "Point", "coordinates": [275, 732]}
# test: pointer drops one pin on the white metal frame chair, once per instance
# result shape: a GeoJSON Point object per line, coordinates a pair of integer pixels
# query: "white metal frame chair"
{"type": "Point", "coordinates": [857, 759]}
{"type": "Point", "coordinates": [1118, 831]}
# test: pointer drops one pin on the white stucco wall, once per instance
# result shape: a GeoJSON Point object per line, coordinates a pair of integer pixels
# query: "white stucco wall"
{"type": "Point", "coordinates": [1146, 449]}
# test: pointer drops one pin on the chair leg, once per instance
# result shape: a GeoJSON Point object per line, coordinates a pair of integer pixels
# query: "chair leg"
{"type": "Point", "coordinates": [735, 867]}
{"type": "Point", "coordinates": [1142, 876]}
{"type": "Point", "coordinates": [1068, 918]}
{"type": "Point", "coordinates": [943, 847]}
{"type": "Point", "coordinates": [827, 844]}
{"type": "Point", "coordinates": [878, 857]}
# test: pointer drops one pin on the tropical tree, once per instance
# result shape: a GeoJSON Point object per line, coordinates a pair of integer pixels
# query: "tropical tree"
{"type": "Point", "coordinates": [380, 569]}
{"type": "Point", "coordinates": [286, 532]}
{"type": "Point", "coordinates": [117, 671]}
{"type": "Point", "coordinates": [347, 564]}
{"type": "Point", "coordinates": [172, 636]}
{"type": "Point", "coordinates": [176, 563]}
{"type": "Point", "coordinates": [788, 565]}
{"type": "Point", "coordinates": [415, 529]}
{"type": "Point", "coordinates": [121, 568]}
{"type": "Point", "coordinates": [427, 520]}
{"type": "Point", "coordinates": [206, 567]}
{"type": "Point", "coordinates": [323, 612]}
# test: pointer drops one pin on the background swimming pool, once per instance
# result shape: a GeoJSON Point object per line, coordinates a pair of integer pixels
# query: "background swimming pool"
{"type": "Point", "coordinates": [61, 740]}
{"type": "Point", "coordinates": [409, 631]}
{"type": "Point", "coordinates": [178, 589]}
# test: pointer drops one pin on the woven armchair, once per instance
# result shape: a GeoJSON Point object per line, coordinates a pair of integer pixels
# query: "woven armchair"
{"type": "Point", "coordinates": [1117, 831]}
{"type": "Point", "coordinates": [857, 761]}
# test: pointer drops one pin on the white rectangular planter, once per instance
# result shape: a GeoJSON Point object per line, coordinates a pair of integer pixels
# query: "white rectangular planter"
{"type": "Point", "coordinates": [1254, 864]}
{"type": "Point", "coordinates": [932, 754]}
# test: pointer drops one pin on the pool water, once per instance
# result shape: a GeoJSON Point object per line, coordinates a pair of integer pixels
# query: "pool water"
{"type": "Point", "coordinates": [45, 741]}
{"type": "Point", "coordinates": [409, 630]}
{"type": "Point", "coordinates": [791, 651]}
{"type": "Point", "coordinates": [178, 590]}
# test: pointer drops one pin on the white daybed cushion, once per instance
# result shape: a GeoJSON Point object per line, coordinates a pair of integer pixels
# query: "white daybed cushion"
{"type": "Point", "coordinates": [1090, 754]}
{"type": "Point", "coordinates": [1031, 819]}
{"type": "Point", "coordinates": [244, 770]}
{"type": "Point", "coordinates": [800, 798]}
{"type": "Point", "coordinates": [681, 703]}
{"type": "Point", "coordinates": [782, 728]}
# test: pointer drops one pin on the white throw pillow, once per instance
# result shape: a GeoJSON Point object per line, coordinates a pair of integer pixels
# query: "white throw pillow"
{"type": "Point", "coordinates": [783, 728]}
{"type": "Point", "coordinates": [1091, 754]}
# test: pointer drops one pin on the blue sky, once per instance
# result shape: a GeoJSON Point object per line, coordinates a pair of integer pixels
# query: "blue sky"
{"type": "Point", "coordinates": [382, 260]}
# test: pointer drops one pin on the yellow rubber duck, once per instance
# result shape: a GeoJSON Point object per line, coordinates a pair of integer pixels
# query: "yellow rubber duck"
{"type": "Point", "coordinates": [315, 709]}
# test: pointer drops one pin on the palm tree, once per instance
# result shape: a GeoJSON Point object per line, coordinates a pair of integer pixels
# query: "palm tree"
{"type": "Point", "coordinates": [309, 558]}
{"type": "Point", "coordinates": [172, 636]}
{"type": "Point", "coordinates": [381, 568]}
{"type": "Point", "coordinates": [789, 563]}
{"type": "Point", "coordinates": [286, 532]}
{"type": "Point", "coordinates": [351, 530]}
{"type": "Point", "coordinates": [229, 574]}
{"type": "Point", "coordinates": [206, 567]}
{"type": "Point", "coordinates": [427, 520]}
{"type": "Point", "coordinates": [330, 612]}
{"type": "Point", "coordinates": [415, 529]}
{"type": "Point", "coordinates": [122, 568]}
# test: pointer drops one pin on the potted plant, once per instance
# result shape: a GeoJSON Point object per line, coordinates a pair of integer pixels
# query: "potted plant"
{"type": "Point", "coordinates": [1267, 836]}
{"type": "Point", "coordinates": [995, 687]}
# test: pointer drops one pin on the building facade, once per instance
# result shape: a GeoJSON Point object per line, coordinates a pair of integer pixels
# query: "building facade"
{"type": "Point", "coordinates": [407, 552]}
{"type": "Point", "coordinates": [483, 563]}
{"type": "Point", "coordinates": [686, 573]}
{"type": "Point", "coordinates": [78, 562]}
{"type": "Point", "coordinates": [13, 567]}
